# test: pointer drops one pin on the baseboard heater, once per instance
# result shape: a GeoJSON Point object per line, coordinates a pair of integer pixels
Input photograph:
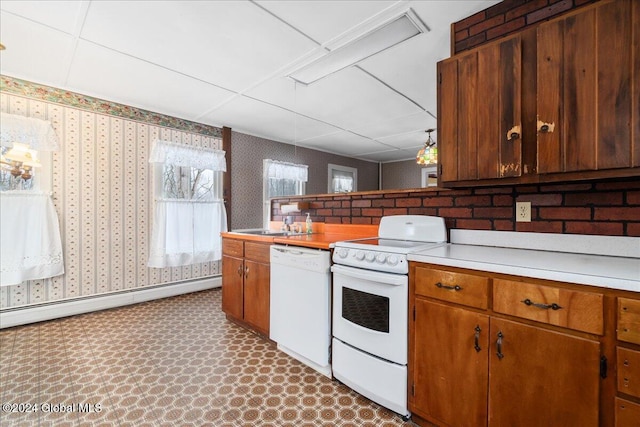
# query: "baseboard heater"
{"type": "Point", "coordinates": [69, 307]}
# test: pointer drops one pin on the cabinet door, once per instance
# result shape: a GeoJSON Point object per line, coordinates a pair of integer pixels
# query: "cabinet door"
{"type": "Point", "coordinates": [450, 371]}
{"type": "Point", "coordinates": [232, 286]}
{"type": "Point", "coordinates": [256, 295]}
{"type": "Point", "coordinates": [499, 148]}
{"type": "Point", "coordinates": [480, 110]}
{"type": "Point", "coordinates": [584, 103]}
{"type": "Point", "coordinates": [448, 120]}
{"type": "Point", "coordinates": [541, 377]}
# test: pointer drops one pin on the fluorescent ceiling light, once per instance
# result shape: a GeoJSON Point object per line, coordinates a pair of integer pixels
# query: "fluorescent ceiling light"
{"type": "Point", "coordinates": [385, 36]}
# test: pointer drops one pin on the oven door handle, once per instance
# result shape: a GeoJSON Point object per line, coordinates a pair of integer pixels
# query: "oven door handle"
{"type": "Point", "coordinates": [374, 276]}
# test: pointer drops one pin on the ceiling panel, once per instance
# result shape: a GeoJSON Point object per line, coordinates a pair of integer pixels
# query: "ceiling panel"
{"type": "Point", "coordinates": [397, 125]}
{"type": "Point", "coordinates": [344, 143]}
{"type": "Point", "coordinates": [351, 99]}
{"type": "Point", "coordinates": [61, 15]}
{"type": "Point", "coordinates": [143, 85]}
{"type": "Point", "coordinates": [260, 119]}
{"type": "Point", "coordinates": [34, 52]}
{"type": "Point", "coordinates": [312, 17]}
{"type": "Point", "coordinates": [233, 44]}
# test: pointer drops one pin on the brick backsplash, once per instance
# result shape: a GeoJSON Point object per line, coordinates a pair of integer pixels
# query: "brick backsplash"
{"type": "Point", "coordinates": [506, 17]}
{"type": "Point", "coordinates": [603, 207]}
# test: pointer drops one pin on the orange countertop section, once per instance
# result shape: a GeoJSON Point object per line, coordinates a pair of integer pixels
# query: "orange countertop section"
{"type": "Point", "coordinates": [323, 237]}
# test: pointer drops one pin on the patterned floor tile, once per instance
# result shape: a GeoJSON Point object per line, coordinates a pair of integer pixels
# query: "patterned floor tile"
{"type": "Point", "coordinates": [171, 362]}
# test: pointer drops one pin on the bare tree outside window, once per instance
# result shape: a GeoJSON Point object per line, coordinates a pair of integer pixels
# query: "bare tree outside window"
{"type": "Point", "coordinates": [180, 182]}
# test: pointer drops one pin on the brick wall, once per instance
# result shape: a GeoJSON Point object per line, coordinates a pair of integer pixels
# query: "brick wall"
{"type": "Point", "coordinates": [507, 17]}
{"type": "Point", "coordinates": [605, 207]}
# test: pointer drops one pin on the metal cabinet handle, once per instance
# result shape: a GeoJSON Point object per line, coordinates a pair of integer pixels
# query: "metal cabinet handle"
{"type": "Point", "coordinates": [451, 288]}
{"type": "Point", "coordinates": [544, 128]}
{"type": "Point", "coordinates": [499, 345]}
{"type": "Point", "coordinates": [513, 136]}
{"type": "Point", "coordinates": [553, 306]}
{"type": "Point", "coordinates": [477, 338]}
{"type": "Point", "coordinates": [246, 272]}
{"type": "Point", "coordinates": [240, 271]}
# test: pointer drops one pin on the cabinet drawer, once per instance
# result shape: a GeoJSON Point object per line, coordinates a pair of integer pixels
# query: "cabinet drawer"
{"type": "Point", "coordinates": [627, 413]}
{"type": "Point", "coordinates": [629, 371]}
{"type": "Point", "coordinates": [257, 251]}
{"type": "Point", "coordinates": [582, 311]}
{"type": "Point", "coordinates": [233, 247]}
{"type": "Point", "coordinates": [460, 288]}
{"type": "Point", "coordinates": [629, 320]}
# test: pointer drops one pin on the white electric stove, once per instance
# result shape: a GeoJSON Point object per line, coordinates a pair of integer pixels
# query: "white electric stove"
{"type": "Point", "coordinates": [370, 307]}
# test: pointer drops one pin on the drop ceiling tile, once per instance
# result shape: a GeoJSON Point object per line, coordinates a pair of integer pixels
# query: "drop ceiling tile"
{"type": "Point", "coordinates": [391, 156]}
{"type": "Point", "coordinates": [257, 118]}
{"type": "Point", "coordinates": [398, 125]}
{"type": "Point", "coordinates": [411, 140]}
{"type": "Point", "coordinates": [34, 52]}
{"type": "Point", "coordinates": [233, 44]}
{"type": "Point", "coordinates": [61, 15]}
{"type": "Point", "coordinates": [348, 99]}
{"type": "Point", "coordinates": [344, 143]}
{"type": "Point", "coordinates": [140, 84]}
{"type": "Point", "coordinates": [325, 20]}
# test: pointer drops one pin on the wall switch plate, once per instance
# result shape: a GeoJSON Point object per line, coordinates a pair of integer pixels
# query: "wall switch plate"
{"type": "Point", "coordinates": [523, 211]}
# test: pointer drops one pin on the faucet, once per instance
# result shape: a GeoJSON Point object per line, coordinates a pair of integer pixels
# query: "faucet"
{"type": "Point", "coordinates": [286, 224]}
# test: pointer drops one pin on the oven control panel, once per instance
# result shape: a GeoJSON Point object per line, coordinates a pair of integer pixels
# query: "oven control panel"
{"type": "Point", "coordinates": [371, 260]}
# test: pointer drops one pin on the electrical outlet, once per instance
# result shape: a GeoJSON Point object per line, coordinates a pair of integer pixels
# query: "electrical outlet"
{"type": "Point", "coordinates": [523, 211]}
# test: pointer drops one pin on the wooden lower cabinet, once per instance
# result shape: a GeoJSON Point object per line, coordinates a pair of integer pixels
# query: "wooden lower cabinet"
{"type": "Point", "coordinates": [474, 366]}
{"type": "Point", "coordinates": [232, 286]}
{"type": "Point", "coordinates": [246, 274]}
{"type": "Point", "coordinates": [256, 295]}
{"type": "Point", "coordinates": [542, 377]}
{"type": "Point", "coordinates": [450, 369]}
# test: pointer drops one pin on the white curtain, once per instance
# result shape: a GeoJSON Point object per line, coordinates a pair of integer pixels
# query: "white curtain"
{"type": "Point", "coordinates": [30, 247]}
{"type": "Point", "coordinates": [37, 134]}
{"type": "Point", "coordinates": [187, 231]}
{"type": "Point", "coordinates": [285, 170]}
{"type": "Point", "coordinates": [182, 155]}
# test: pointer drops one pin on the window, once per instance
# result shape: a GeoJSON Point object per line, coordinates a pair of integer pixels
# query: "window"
{"type": "Point", "coordinates": [342, 179]}
{"type": "Point", "coordinates": [189, 212]}
{"type": "Point", "coordinates": [429, 177]}
{"type": "Point", "coordinates": [281, 179]}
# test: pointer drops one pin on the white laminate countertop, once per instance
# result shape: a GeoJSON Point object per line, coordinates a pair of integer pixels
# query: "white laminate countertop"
{"type": "Point", "coordinates": [616, 272]}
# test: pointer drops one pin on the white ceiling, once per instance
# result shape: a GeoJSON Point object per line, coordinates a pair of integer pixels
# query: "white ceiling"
{"type": "Point", "coordinates": [225, 63]}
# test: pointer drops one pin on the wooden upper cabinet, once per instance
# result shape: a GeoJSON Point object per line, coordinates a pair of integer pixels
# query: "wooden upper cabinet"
{"type": "Point", "coordinates": [584, 98]}
{"type": "Point", "coordinates": [479, 110]}
{"type": "Point", "coordinates": [557, 102]}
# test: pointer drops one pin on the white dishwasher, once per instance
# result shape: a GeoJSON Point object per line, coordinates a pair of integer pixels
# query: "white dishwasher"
{"type": "Point", "coordinates": [300, 304]}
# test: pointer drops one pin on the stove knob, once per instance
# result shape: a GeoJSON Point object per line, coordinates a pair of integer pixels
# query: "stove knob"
{"type": "Point", "coordinates": [370, 256]}
{"type": "Point", "coordinates": [342, 252]}
{"type": "Point", "coordinates": [392, 260]}
{"type": "Point", "coordinates": [381, 258]}
{"type": "Point", "coordinates": [360, 255]}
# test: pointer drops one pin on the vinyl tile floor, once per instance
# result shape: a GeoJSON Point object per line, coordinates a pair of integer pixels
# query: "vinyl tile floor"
{"type": "Point", "coordinates": [170, 362]}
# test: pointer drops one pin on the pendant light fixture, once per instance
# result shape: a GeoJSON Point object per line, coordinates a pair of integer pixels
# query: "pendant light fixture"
{"type": "Point", "coordinates": [428, 155]}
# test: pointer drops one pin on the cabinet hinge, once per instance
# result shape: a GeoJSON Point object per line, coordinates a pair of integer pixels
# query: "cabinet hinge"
{"type": "Point", "coordinates": [439, 78]}
{"type": "Point", "coordinates": [414, 313]}
{"type": "Point", "coordinates": [413, 389]}
{"type": "Point", "coordinates": [603, 367]}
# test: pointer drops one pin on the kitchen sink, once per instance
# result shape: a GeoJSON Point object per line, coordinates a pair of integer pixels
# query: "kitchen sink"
{"type": "Point", "coordinates": [263, 232]}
